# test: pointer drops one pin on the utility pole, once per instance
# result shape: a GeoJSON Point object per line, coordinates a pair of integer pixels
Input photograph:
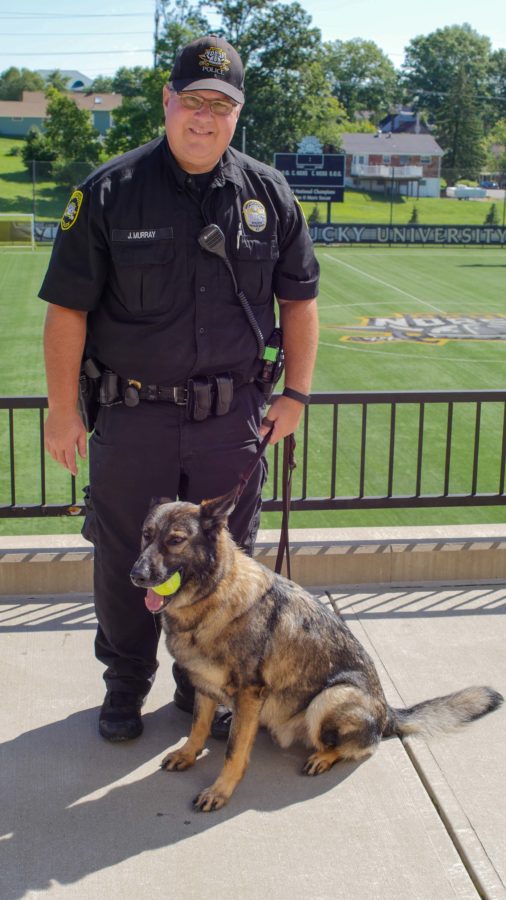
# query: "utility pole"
{"type": "Point", "coordinates": [157, 25]}
{"type": "Point", "coordinates": [392, 184]}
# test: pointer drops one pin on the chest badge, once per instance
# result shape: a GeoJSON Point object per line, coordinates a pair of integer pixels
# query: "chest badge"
{"type": "Point", "coordinates": [71, 213]}
{"type": "Point", "coordinates": [255, 215]}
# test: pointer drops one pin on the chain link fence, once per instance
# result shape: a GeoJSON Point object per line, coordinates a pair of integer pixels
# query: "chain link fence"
{"type": "Point", "coordinates": [52, 183]}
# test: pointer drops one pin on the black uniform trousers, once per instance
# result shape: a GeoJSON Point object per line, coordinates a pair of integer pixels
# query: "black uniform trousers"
{"type": "Point", "coordinates": [149, 451]}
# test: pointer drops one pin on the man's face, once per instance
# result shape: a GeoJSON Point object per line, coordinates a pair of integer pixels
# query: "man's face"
{"type": "Point", "coordinates": [197, 138]}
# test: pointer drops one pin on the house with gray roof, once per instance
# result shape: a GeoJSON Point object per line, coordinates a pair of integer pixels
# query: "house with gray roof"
{"type": "Point", "coordinates": [408, 164]}
{"type": "Point", "coordinates": [404, 121]}
{"type": "Point", "coordinates": [75, 80]}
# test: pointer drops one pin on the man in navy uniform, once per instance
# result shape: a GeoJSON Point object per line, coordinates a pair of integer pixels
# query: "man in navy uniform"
{"type": "Point", "coordinates": [130, 287]}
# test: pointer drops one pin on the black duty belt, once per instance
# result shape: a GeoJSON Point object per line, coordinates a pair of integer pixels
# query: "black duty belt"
{"type": "Point", "coordinates": [202, 396]}
{"type": "Point", "coordinates": [222, 384]}
{"type": "Point", "coordinates": [177, 394]}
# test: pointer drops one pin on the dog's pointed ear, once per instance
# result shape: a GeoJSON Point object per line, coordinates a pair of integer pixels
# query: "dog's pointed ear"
{"type": "Point", "coordinates": [214, 513]}
{"type": "Point", "coordinates": [157, 501]}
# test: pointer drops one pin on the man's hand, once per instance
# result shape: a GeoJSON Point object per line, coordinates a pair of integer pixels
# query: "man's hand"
{"type": "Point", "coordinates": [64, 336]}
{"type": "Point", "coordinates": [285, 413]}
{"type": "Point", "coordinates": [63, 432]}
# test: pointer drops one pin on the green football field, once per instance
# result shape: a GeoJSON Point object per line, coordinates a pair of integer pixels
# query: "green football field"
{"type": "Point", "coordinates": [400, 318]}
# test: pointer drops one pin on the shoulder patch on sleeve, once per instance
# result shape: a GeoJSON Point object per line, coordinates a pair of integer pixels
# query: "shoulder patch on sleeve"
{"type": "Point", "coordinates": [71, 213]}
{"type": "Point", "coordinates": [299, 204]}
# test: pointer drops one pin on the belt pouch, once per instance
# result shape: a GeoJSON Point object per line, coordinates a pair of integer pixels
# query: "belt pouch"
{"type": "Point", "coordinates": [199, 402]}
{"type": "Point", "coordinates": [224, 394]}
{"type": "Point", "coordinates": [109, 389]}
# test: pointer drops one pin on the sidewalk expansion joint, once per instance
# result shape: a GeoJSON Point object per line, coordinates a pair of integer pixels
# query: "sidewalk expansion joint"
{"type": "Point", "coordinates": [446, 822]}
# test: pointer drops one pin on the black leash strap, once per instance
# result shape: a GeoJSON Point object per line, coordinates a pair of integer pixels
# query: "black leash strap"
{"type": "Point", "coordinates": [246, 475]}
{"type": "Point", "coordinates": [289, 465]}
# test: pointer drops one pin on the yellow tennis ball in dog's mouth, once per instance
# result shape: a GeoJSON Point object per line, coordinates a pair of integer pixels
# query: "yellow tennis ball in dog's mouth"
{"type": "Point", "coordinates": [170, 586]}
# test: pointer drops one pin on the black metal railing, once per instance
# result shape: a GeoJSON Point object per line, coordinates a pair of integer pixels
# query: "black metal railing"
{"type": "Point", "coordinates": [359, 450]}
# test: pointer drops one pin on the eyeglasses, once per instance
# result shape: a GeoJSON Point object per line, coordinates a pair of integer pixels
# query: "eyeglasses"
{"type": "Point", "coordinates": [218, 107]}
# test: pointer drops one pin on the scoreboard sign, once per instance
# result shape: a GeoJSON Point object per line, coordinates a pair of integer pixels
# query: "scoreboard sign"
{"type": "Point", "coordinates": [313, 177]}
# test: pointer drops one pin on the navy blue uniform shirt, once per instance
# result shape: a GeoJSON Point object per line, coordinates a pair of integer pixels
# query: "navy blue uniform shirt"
{"type": "Point", "coordinates": [161, 308]}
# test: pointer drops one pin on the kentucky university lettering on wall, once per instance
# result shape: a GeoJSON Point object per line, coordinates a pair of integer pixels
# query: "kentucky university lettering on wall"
{"type": "Point", "coordinates": [408, 234]}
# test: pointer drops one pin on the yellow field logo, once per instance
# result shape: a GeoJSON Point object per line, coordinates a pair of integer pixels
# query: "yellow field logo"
{"type": "Point", "coordinates": [71, 213]}
{"type": "Point", "coordinates": [436, 329]}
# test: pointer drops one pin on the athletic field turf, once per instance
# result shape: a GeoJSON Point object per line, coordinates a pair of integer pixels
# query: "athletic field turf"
{"type": "Point", "coordinates": [403, 318]}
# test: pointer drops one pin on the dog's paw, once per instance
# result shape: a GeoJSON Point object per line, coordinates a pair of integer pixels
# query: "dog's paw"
{"type": "Point", "coordinates": [318, 763]}
{"type": "Point", "coordinates": [178, 760]}
{"type": "Point", "coordinates": [209, 800]}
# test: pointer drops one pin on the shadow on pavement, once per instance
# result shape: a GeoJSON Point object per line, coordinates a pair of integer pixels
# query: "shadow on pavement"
{"type": "Point", "coordinates": [66, 813]}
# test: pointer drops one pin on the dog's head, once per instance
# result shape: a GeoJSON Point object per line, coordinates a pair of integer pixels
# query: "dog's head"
{"type": "Point", "coordinates": [179, 548]}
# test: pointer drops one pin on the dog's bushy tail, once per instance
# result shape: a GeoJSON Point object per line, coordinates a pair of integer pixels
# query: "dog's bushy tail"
{"type": "Point", "coordinates": [443, 713]}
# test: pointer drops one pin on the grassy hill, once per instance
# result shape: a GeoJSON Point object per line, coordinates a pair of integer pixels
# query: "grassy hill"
{"type": "Point", "coordinates": [374, 208]}
{"type": "Point", "coordinates": [17, 194]}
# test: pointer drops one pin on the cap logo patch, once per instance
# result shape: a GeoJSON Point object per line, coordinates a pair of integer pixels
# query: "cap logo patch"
{"type": "Point", "coordinates": [71, 213]}
{"type": "Point", "coordinates": [255, 215]}
{"type": "Point", "coordinates": [214, 60]}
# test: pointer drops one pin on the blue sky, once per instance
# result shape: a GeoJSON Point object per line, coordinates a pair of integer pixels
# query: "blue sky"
{"type": "Point", "coordinates": [99, 37]}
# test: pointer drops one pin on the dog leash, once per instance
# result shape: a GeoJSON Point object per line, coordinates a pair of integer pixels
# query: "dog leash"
{"type": "Point", "coordinates": [289, 465]}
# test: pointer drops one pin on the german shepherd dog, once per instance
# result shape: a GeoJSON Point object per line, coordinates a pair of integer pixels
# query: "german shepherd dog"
{"type": "Point", "coordinates": [265, 647]}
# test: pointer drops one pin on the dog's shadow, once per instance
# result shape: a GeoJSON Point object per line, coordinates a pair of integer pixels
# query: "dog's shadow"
{"type": "Point", "coordinates": [73, 804]}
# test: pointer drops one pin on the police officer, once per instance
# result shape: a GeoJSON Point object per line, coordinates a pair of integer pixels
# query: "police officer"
{"type": "Point", "coordinates": [165, 324]}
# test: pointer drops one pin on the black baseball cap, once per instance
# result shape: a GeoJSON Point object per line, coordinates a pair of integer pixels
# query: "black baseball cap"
{"type": "Point", "coordinates": [209, 63]}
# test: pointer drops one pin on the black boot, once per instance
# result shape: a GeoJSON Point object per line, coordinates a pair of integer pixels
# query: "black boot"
{"type": "Point", "coordinates": [120, 716]}
{"type": "Point", "coordinates": [184, 695]}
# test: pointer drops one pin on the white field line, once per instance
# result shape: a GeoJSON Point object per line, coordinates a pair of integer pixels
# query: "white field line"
{"type": "Point", "coordinates": [384, 283]}
{"type": "Point", "coordinates": [367, 303]}
{"type": "Point", "coordinates": [374, 349]}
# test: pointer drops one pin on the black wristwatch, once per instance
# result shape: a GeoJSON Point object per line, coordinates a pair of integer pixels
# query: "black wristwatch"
{"type": "Point", "coordinates": [296, 395]}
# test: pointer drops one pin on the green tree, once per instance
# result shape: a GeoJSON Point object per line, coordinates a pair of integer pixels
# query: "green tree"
{"type": "Point", "coordinates": [432, 62]}
{"type": "Point", "coordinates": [14, 81]}
{"type": "Point", "coordinates": [362, 76]}
{"type": "Point", "coordinates": [71, 137]}
{"type": "Point", "coordinates": [102, 84]}
{"type": "Point", "coordinates": [180, 23]}
{"type": "Point", "coordinates": [460, 130]}
{"type": "Point", "coordinates": [280, 111]}
{"type": "Point", "coordinates": [495, 108]}
{"type": "Point", "coordinates": [129, 82]}
{"type": "Point", "coordinates": [287, 94]}
{"type": "Point", "coordinates": [327, 120]}
{"type": "Point", "coordinates": [56, 80]}
{"type": "Point", "coordinates": [139, 119]}
{"type": "Point", "coordinates": [36, 148]}
{"type": "Point", "coordinates": [314, 216]}
{"type": "Point", "coordinates": [496, 148]}
{"type": "Point", "coordinates": [492, 218]}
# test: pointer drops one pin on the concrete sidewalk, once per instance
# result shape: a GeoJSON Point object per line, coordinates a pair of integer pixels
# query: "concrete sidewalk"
{"type": "Point", "coordinates": [81, 818]}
